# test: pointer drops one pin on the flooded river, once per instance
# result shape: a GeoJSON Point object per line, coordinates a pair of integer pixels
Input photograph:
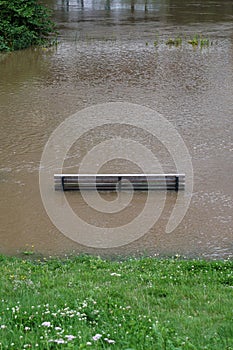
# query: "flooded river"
{"type": "Point", "coordinates": [115, 51]}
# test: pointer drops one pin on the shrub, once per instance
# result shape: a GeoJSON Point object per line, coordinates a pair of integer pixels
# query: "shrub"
{"type": "Point", "coordinates": [23, 23]}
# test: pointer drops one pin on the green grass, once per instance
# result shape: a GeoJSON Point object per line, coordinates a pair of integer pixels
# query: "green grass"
{"type": "Point", "coordinates": [90, 303]}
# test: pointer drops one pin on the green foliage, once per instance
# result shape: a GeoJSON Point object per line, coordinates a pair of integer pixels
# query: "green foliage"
{"type": "Point", "coordinates": [90, 303]}
{"type": "Point", "coordinates": [23, 23]}
{"type": "Point", "coordinates": [197, 40]}
{"type": "Point", "coordinates": [174, 42]}
{"type": "Point", "coordinates": [194, 41]}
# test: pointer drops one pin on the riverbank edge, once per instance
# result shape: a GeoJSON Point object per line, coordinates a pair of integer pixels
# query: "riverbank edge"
{"type": "Point", "coordinates": [145, 303]}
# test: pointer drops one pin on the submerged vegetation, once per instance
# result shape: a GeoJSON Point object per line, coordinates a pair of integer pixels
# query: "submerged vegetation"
{"type": "Point", "coordinates": [23, 24]}
{"type": "Point", "coordinates": [196, 40]}
{"type": "Point", "coordinates": [90, 303]}
{"type": "Point", "coordinates": [199, 40]}
{"type": "Point", "coordinates": [176, 42]}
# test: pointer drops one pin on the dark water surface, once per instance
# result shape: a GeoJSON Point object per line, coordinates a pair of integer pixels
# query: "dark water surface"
{"type": "Point", "coordinates": [107, 53]}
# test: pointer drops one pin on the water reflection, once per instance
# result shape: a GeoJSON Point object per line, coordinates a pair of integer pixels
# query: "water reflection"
{"type": "Point", "coordinates": [181, 12]}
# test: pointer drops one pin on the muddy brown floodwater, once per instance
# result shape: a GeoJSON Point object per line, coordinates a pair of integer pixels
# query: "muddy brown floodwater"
{"type": "Point", "coordinates": [107, 54]}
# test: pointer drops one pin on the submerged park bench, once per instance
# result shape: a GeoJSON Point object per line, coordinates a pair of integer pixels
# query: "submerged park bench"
{"type": "Point", "coordinates": [117, 182]}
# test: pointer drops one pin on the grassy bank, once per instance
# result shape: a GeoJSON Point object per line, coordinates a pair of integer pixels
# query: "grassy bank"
{"type": "Point", "coordinates": [90, 303]}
